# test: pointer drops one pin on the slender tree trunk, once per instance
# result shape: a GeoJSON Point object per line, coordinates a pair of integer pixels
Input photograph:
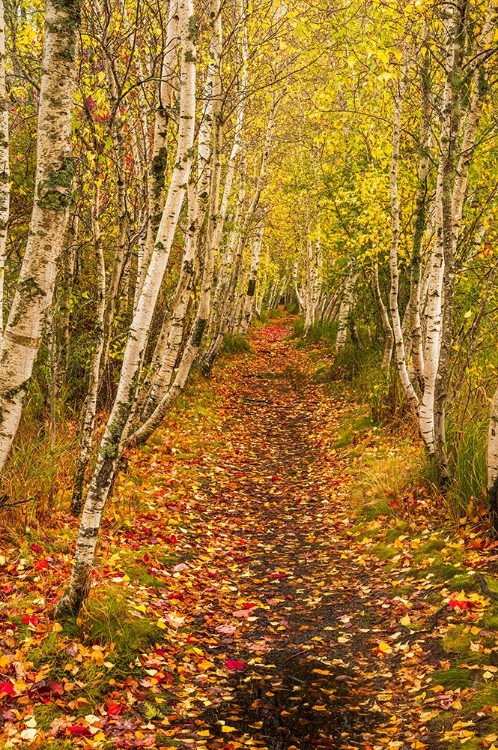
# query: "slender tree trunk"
{"type": "Point", "coordinates": [54, 172]}
{"type": "Point", "coordinates": [453, 205]}
{"type": "Point", "coordinates": [434, 309]}
{"type": "Point", "coordinates": [4, 163]}
{"type": "Point", "coordinates": [493, 464]}
{"type": "Point", "coordinates": [110, 448]}
{"type": "Point", "coordinates": [347, 303]}
{"type": "Point", "coordinates": [384, 317]}
{"type": "Point", "coordinates": [90, 408]}
{"type": "Point", "coordinates": [416, 344]}
{"type": "Point", "coordinates": [253, 275]}
{"type": "Point", "coordinates": [399, 344]}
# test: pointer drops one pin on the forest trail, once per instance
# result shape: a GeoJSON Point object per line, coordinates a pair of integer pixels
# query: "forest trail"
{"type": "Point", "coordinates": [239, 600]}
{"type": "Point", "coordinates": [297, 614]}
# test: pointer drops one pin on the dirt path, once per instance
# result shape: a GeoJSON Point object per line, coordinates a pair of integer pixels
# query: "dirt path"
{"type": "Point", "coordinates": [302, 619]}
{"type": "Point", "coordinates": [236, 604]}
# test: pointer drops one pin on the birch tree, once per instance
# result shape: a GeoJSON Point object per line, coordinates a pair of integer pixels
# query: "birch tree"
{"type": "Point", "coordinates": [4, 163]}
{"type": "Point", "coordinates": [110, 448]}
{"type": "Point", "coordinates": [54, 173]}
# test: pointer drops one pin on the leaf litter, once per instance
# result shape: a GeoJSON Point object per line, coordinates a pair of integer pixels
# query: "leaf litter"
{"type": "Point", "coordinates": [239, 601]}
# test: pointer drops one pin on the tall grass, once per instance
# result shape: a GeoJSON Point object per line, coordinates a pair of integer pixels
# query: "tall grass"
{"type": "Point", "coordinates": [467, 446]}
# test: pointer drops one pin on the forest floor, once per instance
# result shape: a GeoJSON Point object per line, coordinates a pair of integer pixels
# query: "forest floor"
{"type": "Point", "coordinates": [256, 588]}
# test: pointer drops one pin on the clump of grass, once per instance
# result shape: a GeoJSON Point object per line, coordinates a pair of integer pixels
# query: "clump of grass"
{"type": "Point", "coordinates": [139, 573]}
{"type": "Point", "coordinates": [233, 343]}
{"type": "Point", "coordinates": [487, 696]}
{"type": "Point", "coordinates": [457, 641]}
{"type": "Point", "coordinates": [383, 551]}
{"type": "Point", "coordinates": [489, 619]}
{"type": "Point", "coordinates": [467, 450]}
{"type": "Point", "coordinates": [38, 472]}
{"type": "Point", "coordinates": [384, 482]}
{"type": "Point", "coordinates": [324, 332]}
{"type": "Point", "coordinates": [108, 619]}
{"type": "Point", "coordinates": [452, 678]}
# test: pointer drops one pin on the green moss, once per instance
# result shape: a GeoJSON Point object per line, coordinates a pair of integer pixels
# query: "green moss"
{"type": "Point", "coordinates": [139, 574]}
{"type": "Point", "coordinates": [45, 714]}
{"type": "Point", "coordinates": [486, 696]}
{"type": "Point", "coordinates": [457, 641]}
{"type": "Point", "coordinates": [490, 617]}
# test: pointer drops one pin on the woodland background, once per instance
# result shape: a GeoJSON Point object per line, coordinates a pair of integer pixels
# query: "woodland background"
{"type": "Point", "coordinates": [170, 173]}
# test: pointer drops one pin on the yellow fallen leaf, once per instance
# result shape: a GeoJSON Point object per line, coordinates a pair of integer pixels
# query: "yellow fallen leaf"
{"type": "Point", "coordinates": [406, 621]}
{"type": "Point", "coordinates": [204, 733]}
{"type": "Point", "coordinates": [384, 647]}
{"type": "Point", "coordinates": [226, 729]}
{"type": "Point", "coordinates": [319, 708]}
{"type": "Point", "coordinates": [161, 624]}
{"type": "Point", "coordinates": [140, 608]}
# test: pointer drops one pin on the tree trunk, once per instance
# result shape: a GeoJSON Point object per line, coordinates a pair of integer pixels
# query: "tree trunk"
{"type": "Point", "coordinates": [4, 163]}
{"type": "Point", "coordinates": [384, 317]}
{"type": "Point", "coordinates": [253, 275]}
{"type": "Point", "coordinates": [90, 408]}
{"type": "Point", "coordinates": [345, 308]}
{"type": "Point", "coordinates": [110, 448]}
{"type": "Point", "coordinates": [54, 172]}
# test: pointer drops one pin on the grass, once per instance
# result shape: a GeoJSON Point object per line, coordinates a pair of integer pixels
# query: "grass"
{"type": "Point", "coordinates": [233, 343]}
{"type": "Point", "coordinates": [452, 678]}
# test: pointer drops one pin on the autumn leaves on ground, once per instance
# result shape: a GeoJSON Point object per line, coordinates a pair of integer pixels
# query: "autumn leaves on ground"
{"type": "Point", "coordinates": [259, 583]}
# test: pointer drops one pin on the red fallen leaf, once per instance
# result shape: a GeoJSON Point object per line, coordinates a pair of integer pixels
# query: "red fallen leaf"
{"type": "Point", "coordinates": [461, 604]}
{"type": "Point", "coordinates": [7, 687]}
{"type": "Point", "coordinates": [249, 606]}
{"type": "Point", "coordinates": [275, 478]}
{"type": "Point", "coordinates": [41, 565]}
{"type": "Point", "coordinates": [35, 548]}
{"type": "Point", "coordinates": [113, 709]}
{"type": "Point", "coordinates": [233, 664]}
{"type": "Point", "coordinates": [173, 539]}
{"type": "Point", "coordinates": [278, 575]}
{"type": "Point", "coordinates": [56, 687]}
{"type": "Point", "coordinates": [79, 731]}
{"type": "Point", "coordinates": [30, 619]}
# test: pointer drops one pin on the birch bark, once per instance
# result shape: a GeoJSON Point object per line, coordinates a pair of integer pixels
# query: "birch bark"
{"type": "Point", "coordinates": [54, 172]}
{"type": "Point", "coordinates": [399, 344]}
{"type": "Point", "coordinates": [253, 275]}
{"type": "Point", "coordinates": [345, 308]}
{"type": "Point", "coordinates": [4, 163]}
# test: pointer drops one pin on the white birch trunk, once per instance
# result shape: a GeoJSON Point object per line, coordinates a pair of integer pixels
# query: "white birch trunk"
{"type": "Point", "coordinates": [54, 171]}
{"type": "Point", "coordinates": [90, 409]}
{"type": "Point", "coordinates": [4, 163]}
{"type": "Point", "coordinates": [253, 275]}
{"type": "Point", "coordinates": [110, 447]}
{"type": "Point", "coordinates": [399, 344]}
{"type": "Point", "coordinates": [347, 303]}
